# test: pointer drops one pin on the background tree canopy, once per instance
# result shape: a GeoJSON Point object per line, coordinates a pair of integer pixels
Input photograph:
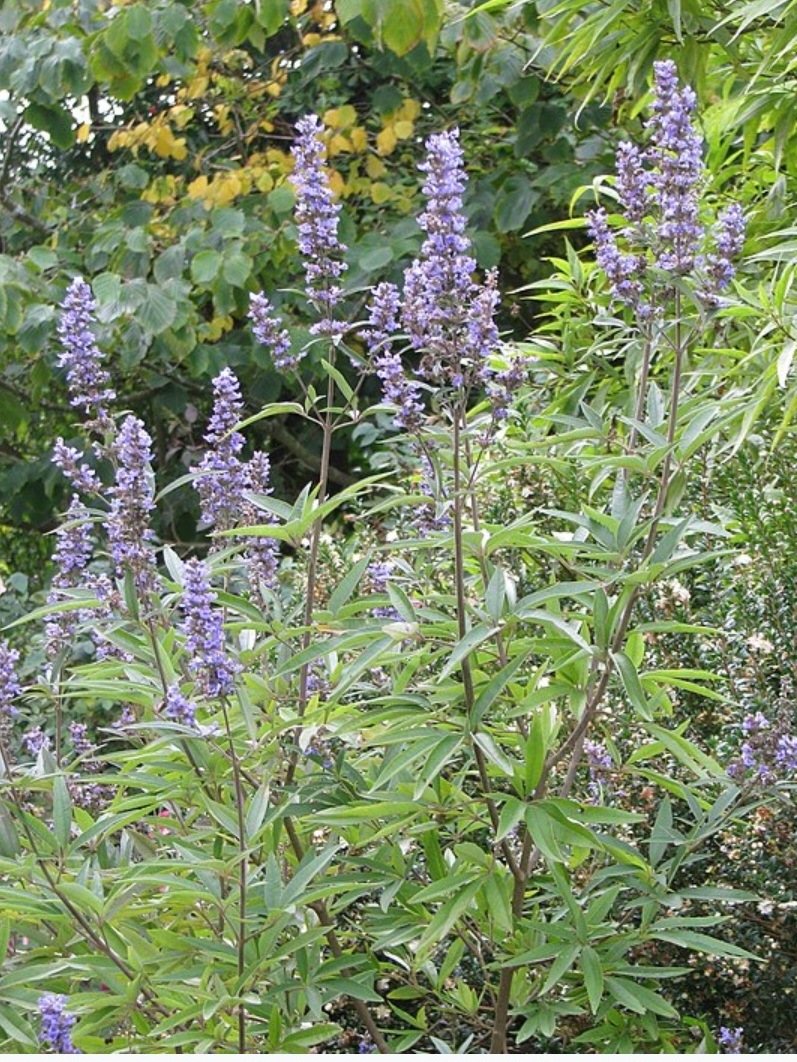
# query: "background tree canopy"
{"type": "Point", "coordinates": [147, 146]}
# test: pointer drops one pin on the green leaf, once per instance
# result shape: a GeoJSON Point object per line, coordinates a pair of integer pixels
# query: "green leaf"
{"type": "Point", "coordinates": [271, 14]}
{"type": "Point", "coordinates": [465, 647]}
{"type": "Point", "coordinates": [14, 1027]}
{"type": "Point", "coordinates": [593, 977]}
{"type": "Point", "coordinates": [445, 919]}
{"type": "Point", "coordinates": [9, 841]}
{"type": "Point", "coordinates": [638, 998]}
{"type": "Point", "coordinates": [494, 753]}
{"type": "Point", "coordinates": [559, 967]}
{"type": "Point", "coordinates": [54, 120]}
{"type": "Point", "coordinates": [514, 203]}
{"type": "Point", "coordinates": [205, 266]}
{"type": "Point", "coordinates": [62, 811]}
{"type": "Point", "coordinates": [298, 1042]}
{"type": "Point", "coordinates": [237, 269]}
{"type": "Point", "coordinates": [633, 687]}
{"type": "Point", "coordinates": [687, 938]}
{"type": "Point", "coordinates": [157, 312]}
{"type": "Point", "coordinates": [494, 687]}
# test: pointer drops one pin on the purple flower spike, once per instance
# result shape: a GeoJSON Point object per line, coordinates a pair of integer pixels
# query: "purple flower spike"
{"type": "Point", "coordinates": [447, 315]}
{"type": "Point", "coordinates": [81, 357]}
{"type": "Point", "coordinates": [56, 1024]}
{"type": "Point", "coordinates": [213, 669]}
{"type": "Point", "coordinates": [10, 687]}
{"type": "Point", "coordinates": [35, 740]}
{"type": "Point", "coordinates": [73, 553]}
{"type": "Point", "coordinates": [786, 754]}
{"type": "Point", "coordinates": [438, 287]}
{"type": "Point", "coordinates": [133, 499]}
{"type": "Point", "coordinates": [262, 554]}
{"type": "Point", "coordinates": [397, 388]}
{"type": "Point", "coordinates": [78, 732]}
{"type": "Point", "coordinates": [80, 475]}
{"type": "Point", "coordinates": [600, 765]}
{"type": "Point", "coordinates": [624, 271]}
{"type": "Point", "coordinates": [179, 707]}
{"type": "Point", "coordinates": [269, 331]}
{"type": "Point", "coordinates": [731, 1040]}
{"type": "Point", "coordinates": [221, 475]}
{"type": "Point", "coordinates": [632, 182]}
{"type": "Point", "coordinates": [317, 214]}
{"type": "Point", "coordinates": [729, 241]}
{"type": "Point", "coordinates": [676, 152]}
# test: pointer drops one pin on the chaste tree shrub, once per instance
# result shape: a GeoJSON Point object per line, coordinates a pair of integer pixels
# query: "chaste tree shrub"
{"type": "Point", "coordinates": [413, 785]}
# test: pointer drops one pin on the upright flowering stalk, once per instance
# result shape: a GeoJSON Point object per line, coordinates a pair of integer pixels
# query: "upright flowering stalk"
{"type": "Point", "coordinates": [317, 213]}
{"type": "Point", "coordinates": [729, 240]}
{"type": "Point", "coordinates": [82, 476]}
{"type": "Point", "coordinates": [269, 331]}
{"type": "Point", "coordinates": [221, 475]}
{"type": "Point", "coordinates": [132, 501]}
{"type": "Point", "coordinates": [178, 707]}
{"type": "Point", "coordinates": [261, 554]}
{"type": "Point", "coordinates": [209, 663]}
{"type": "Point", "coordinates": [73, 553]}
{"type": "Point", "coordinates": [81, 357]}
{"type": "Point", "coordinates": [397, 388]}
{"type": "Point", "coordinates": [56, 1024]}
{"type": "Point", "coordinates": [676, 152]}
{"type": "Point", "coordinates": [10, 687]}
{"type": "Point", "coordinates": [659, 192]}
{"type": "Point", "coordinates": [439, 291]}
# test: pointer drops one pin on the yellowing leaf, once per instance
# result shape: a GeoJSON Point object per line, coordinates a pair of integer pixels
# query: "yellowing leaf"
{"type": "Point", "coordinates": [347, 115]}
{"type": "Point", "coordinates": [380, 192]}
{"type": "Point", "coordinates": [264, 182]}
{"type": "Point", "coordinates": [359, 138]}
{"type": "Point", "coordinates": [336, 182]}
{"type": "Point", "coordinates": [181, 114]}
{"type": "Point", "coordinates": [386, 141]}
{"type": "Point", "coordinates": [331, 118]}
{"type": "Point", "coordinates": [197, 87]}
{"type": "Point", "coordinates": [403, 129]}
{"type": "Point", "coordinates": [198, 188]}
{"type": "Point", "coordinates": [338, 144]}
{"type": "Point", "coordinates": [83, 132]}
{"type": "Point", "coordinates": [408, 111]}
{"type": "Point", "coordinates": [216, 328]}
{"type": "Point", "coordinates": [298, 7]}
{"type": "Point", "coordinates": [374, 167]}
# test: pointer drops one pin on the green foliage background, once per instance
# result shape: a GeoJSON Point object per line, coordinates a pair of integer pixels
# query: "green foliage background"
{"type": "Point", "coordinates": [145, 146]}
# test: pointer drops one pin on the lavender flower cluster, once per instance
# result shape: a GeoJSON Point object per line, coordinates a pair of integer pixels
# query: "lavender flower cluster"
{"type": "Point", "coordinates": [448, 317]}
{"type": "Point", "coordinates": [769, 750]}
{"type": "Point", "coordinates": [10, 687]}
{"type": "Point", "coordinates": [220, 473]}
{"type": "Point", "coordinates": [56, 1025]}
{"type": "Point", "coordinates": [132, 502]}
{"type": "Point", "coordinates": [203, 626]}
{"type": "Point", "coordinates": [378, 575]}
{"type": "Point", "coordinates": [223, 479]}
{"type": "Point", "coordinates": [659, 190]}
{"type": "Point", "coordinates": [82, 358]}
{"type": "Point", "coordinates": [730, 1040]}
{"type": "Point", "coordinates": [317, 216]}
{"type": "Point", "coordinates": [600, 766]}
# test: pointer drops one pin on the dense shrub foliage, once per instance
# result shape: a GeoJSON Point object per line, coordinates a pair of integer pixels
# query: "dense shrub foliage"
{"type": "Point", "coordinates": [452, 756]}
